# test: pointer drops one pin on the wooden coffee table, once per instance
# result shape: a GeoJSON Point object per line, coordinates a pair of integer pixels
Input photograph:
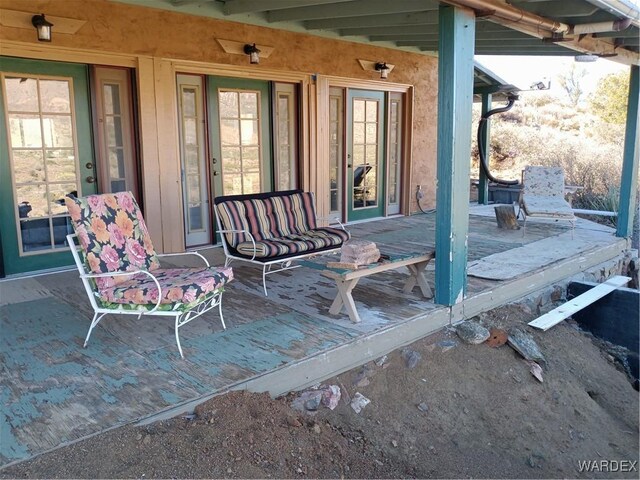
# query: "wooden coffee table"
{"type": "Point", "coordinates": [346, 280]}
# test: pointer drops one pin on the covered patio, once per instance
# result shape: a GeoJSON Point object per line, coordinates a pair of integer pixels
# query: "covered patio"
{"type": "Point", "coordinates": [56, 392]}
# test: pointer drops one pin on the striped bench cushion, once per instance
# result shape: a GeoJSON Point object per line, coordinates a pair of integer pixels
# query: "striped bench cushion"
{"type": "Point", "coordinates": [315, 239]}
{"type": "Point", "coordinates": [267, 218]}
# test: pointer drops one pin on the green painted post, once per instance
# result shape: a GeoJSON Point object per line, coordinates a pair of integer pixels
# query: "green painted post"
{"type": "Point", "coordinates": [455, 100]}
{"type": "Point", "coordinates": [629, 181]}
{"type": "Point", "coordinates": [483, 181]}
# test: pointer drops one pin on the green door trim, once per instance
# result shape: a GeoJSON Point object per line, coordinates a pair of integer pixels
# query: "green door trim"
{"type": "Point", "coordinates": [12, 261]}
{"type": "Point", "coordinates": [366, 212]}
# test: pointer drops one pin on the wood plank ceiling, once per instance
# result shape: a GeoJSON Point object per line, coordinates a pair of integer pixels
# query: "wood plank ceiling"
{"type": "Point", "coordinates": [413, 24]}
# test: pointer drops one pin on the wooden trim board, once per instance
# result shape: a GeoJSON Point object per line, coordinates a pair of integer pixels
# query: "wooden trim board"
{"type": "Point", "coordinates": [555, 316]}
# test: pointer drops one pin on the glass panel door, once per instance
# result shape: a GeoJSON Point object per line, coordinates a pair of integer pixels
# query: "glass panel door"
{"type": "Point", "coordinates": [116, 152]}
{"type": "Point", "coordinates": [336, 151]}
{"type": "Point", "coordinates": [194, 160]}
{"type": "Point", "coordinates": [240, 136]}
{"type": "Point", "coordinates": [365, 154]}
{"type": "Point", "coordinates": [286, 136]}
{"type": "Point", "coordinates": [45, 128]}
{"type": "Point", "coordinates": [394, 154]}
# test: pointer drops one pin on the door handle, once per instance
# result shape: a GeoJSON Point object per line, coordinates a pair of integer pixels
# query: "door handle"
{"type": "Point", "coordinates": [90, 179]}
{"type": "Point", "coordinates": [214, 160]}
{"type": "Point", "coordinates": [215, 173]}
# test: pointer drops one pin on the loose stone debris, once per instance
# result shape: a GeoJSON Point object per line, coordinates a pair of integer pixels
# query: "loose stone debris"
{"type": "Point", "coordinates": [359, 401]}
{"type": "Point", "coordinates": [525, 345]}
{"type": "Point", "coordinates": [472, 332]}
{"type": "Point", "coordinates": [310, 400]}
{"type": "Point", "coordinates": [411, 358]}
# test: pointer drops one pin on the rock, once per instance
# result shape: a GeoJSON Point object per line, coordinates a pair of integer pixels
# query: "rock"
{"type": "Point", "coordinates": [316, 429]}
{"type": "Point", "coordinates": [313, 403]}
{"type": "Point", "coordinates": [309, 400]}
{"type": "Point", "coordinates": [359, 252]}
{"type": "Point", "coordinates": [411, 357]}
{"type": "Point", "coordinates": [139, 436]}
{"type": "Point", "coordinates": [293, 421]}
{"type": "Point", "coordinates": [359, 401]}
{"type": "Point", "coordinates": [525, 345]}
{"type": "Point", "coordinates": [229, 470]}
{"type": "Point", "coordinates": [147, 439]}
{"type": "Point", "coordinates": [345, 394]}
{"type": "Point", "coordinates": [330, 396]}
{"type": "Point", "coordinates": [423, 407]}
{"type": "Point", "coordinates": [394, 443]}
{"type": "Point", "coordinates": [472, 332]}
{"type": "Point", "coordinates": [381, 361]}
{"type": "Point", "coordinates": [447, 344]}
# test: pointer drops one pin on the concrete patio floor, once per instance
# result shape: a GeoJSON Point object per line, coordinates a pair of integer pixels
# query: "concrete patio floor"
{"type": "Point", "coordinates": [54, 392]}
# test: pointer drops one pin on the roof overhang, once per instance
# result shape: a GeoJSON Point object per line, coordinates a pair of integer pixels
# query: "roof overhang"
{"type": "Point", "coordinates": [519, 27]}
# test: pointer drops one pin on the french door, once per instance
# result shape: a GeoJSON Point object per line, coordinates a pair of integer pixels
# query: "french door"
{"type": "Point", "coordinates": [240, 133]}
{"type": "Point", "coordinates": [46, 153]}
{"type": "Point", "coordinates": [365, 191]}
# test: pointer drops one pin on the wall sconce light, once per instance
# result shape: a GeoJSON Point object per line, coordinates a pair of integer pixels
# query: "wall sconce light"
{"type": "Point", "coordinates": [253, 52]}
{"type": "Point", "coordinates": [43, 27]}
{"type": "Point", "coordinates": [383, 69]}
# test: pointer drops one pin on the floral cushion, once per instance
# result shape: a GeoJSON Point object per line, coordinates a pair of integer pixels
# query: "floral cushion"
{"type": "Point", "coordinates": [316, 239]}
{"type": "Point", "coordinates": [180, 286]}
{"type": "Point", "coordinates": [112, 235]}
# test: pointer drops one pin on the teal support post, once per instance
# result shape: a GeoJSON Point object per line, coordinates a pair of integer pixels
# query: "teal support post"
{"type": "Point", "coordinates": [455, 100]}
{"type": "Point", "coordinates": [483, 181]}
{"type": "Point", "coordinates": [629, 181]}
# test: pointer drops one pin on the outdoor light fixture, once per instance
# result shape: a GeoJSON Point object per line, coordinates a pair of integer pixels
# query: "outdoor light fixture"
{"type": "Point", "coordinates": [383, 69]}
{"type": "Point", "coordinates": [253, 52]}
{"type": "Point", "coordinates": [43, 27]}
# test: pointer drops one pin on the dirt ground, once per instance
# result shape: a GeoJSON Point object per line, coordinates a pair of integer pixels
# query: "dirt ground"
{"type": "Point", "coordinates": [482, 415]}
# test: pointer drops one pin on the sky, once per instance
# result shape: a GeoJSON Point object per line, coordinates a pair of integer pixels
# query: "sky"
{"type": "Point", "coordinates": [522, 71]}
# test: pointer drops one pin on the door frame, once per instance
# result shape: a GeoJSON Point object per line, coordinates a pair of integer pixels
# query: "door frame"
{"type": "Point", "coordinates": [13, 261]}
{"type": "Point", "coordinates": [323, 85]}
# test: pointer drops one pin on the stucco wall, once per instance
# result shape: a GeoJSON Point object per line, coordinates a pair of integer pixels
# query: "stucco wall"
{"type": "Point", "coordinates": [146, 32]}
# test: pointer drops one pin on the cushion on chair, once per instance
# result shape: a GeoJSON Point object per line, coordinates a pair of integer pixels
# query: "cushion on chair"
{"type": "Point", "coordinates": [535, 205]}
{"type": "Point", "coordinates": [267, 218]}
{"type": "Point", "coordinates": [316, 239]}
{"type": "Point", "coordinates": [112, 234]}
{"type": "Point", "coordinates": [543, 181]}
{"type": "Point", "coordinates": [180, 287]}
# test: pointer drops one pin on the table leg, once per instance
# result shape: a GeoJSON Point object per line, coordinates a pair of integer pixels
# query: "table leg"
{"type": "Point", "coordinates": [417, 277]}
{"type": "Point", "coordinates": [344, 298]}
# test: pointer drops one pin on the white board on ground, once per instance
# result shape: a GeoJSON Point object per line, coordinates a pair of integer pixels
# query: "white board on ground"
{"type": "Point", "coordinates": [555, 316]}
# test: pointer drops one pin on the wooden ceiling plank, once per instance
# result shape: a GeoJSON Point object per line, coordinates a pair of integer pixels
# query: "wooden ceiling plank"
{"type": "Point", "coordinates": [420, 18]}
{"type": "Point", "coordinates": [232, 7]}
{"type": "Point", "coordinates": [354, 8]}
{"type": "Point", "coordinates": [428, 29]}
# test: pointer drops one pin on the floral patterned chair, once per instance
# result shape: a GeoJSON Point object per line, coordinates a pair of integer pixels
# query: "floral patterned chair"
{"type": "Point", "coordinates": [121, 271]}
{"type": "Point", "coordinates": [543, 195]}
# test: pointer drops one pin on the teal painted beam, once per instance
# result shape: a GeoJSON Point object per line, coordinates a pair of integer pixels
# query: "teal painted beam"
{"type": "Point", "coordinates": [355, 8]}
{"type": "Point", "coordinates": [629, 181]}
{"type": "Point", "coordinates": [483, 181]}
{"type": "Point", "coordinates": [455, 99]}
{"type": "Point", "coordinates": [252, 6]}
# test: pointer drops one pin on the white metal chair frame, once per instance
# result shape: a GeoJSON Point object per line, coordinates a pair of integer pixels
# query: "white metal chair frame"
{"type": "Point", "coordinates": [181, 317]}
{"type": "Point", "coordinates": [267, 265]}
